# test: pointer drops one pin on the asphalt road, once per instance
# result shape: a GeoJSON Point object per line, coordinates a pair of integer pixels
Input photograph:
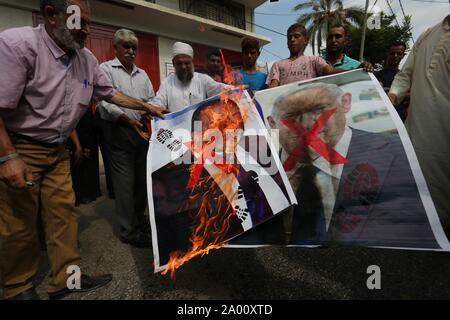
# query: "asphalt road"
{"type": "Point", "coordinates": [264, 273]}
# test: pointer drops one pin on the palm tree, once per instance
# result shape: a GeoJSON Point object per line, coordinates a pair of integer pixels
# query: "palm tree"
{"type": "Point", "coordinates": [325, 12]}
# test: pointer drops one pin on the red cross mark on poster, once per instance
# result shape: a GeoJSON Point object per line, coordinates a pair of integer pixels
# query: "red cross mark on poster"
{"type": "Point", "coordinates": [206, 152]}
{"type": "Point", "coordinates": [310, 138]}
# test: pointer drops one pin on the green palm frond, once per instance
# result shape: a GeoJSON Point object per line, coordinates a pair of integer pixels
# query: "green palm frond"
{"type": "Point", "coordinates": [325, 12]}
{"type": "Point", "coordinates": [303, 6]}
{"type": "Point", "coordinates": [339, 5]}
{"type": "Point", "coordinates": [312, 38]}
{"type": "Point", "coordinates": [312, 32]}
{"type": "Point", "coordinates": [305, 19]}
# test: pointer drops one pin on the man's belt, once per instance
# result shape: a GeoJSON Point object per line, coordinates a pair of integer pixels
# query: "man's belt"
{"type": "Point", "coordinates": [17, 138]}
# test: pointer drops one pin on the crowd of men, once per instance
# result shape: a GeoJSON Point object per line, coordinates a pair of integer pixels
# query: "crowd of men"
{"type": "Point", "coordinates": [42, 100]}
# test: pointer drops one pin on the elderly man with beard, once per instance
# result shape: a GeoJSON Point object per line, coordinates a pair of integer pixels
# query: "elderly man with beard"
{"type": "Point", "coordinates": [186, 87]}
{"type": "Point", "coordinates": [47, 82]}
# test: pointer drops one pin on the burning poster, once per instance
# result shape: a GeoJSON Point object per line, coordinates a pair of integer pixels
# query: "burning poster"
{"type": "Point", "coordinates": [351, 166]}
{"type": "Point", "coordinates": [212, 175]}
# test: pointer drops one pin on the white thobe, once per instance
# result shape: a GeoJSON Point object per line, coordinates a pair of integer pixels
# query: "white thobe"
{"type": "Point", "coordinates": [427, 73]}
{"type": "Point", "coordinates": [175, 96]}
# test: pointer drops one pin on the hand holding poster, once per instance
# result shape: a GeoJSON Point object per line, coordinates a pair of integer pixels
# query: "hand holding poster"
{"type": "Point", "coordinates": [213, 174]}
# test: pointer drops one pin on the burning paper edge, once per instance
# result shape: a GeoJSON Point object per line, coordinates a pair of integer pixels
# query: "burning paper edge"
{"type": "Point", "coordinates": [155, 247]}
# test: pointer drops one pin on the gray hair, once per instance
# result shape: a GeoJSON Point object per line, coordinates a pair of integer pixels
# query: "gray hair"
{"type": "Point", "coordinates": [333, 90]}
{"type": "Point", "coordinates": [124, 35]}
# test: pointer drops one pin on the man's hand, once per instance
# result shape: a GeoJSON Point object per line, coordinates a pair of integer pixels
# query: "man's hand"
{"type": "Point", "coordinates": [78, 155]}
{"type": "Point", "coordinates": [125, 101]}
{"type": "Point", "coordinates": [274, 83]}
{"type": "Point", "coordinates": [367, 66]}
{"type": "Point", "coordinates": [139, 128]}
{"type": "Point", "coordinates": [393, 98]}
{"type": "Point", "coordinates": [15, 173]}
{"type": "Point", "coordinates": [151, 110]}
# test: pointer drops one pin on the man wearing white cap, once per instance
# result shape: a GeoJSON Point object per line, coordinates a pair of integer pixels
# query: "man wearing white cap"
{"type": "Point", "coordinates": [185, 87]}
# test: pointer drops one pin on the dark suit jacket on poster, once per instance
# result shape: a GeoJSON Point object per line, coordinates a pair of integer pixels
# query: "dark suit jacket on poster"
{"type": "Point", "coordinates": [176, 206]}
{"type": "Point", "coordinates": [377, 203]}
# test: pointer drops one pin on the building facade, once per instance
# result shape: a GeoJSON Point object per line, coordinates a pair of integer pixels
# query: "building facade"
{"type": "Point", "coordinates": [205, 24]}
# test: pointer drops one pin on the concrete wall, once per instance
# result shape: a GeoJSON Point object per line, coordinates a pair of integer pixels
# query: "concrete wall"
{"type": "Point", "coordinates": [249, 12]}
{"type": "Point", "coordinates": [250, 19]}
{"type": "Point", "coordinates": [165, 54]}
{"type": "Point", "coordinates": [12, 17]}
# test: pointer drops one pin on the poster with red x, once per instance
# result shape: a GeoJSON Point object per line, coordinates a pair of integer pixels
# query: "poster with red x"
{"type": "Point", "coordinates": [351, 166]}
{"type": "Point", "coordinates": [213, 174]}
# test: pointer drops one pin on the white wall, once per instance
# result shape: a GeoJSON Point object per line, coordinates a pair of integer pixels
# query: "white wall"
{"type": "Point", "coordinates": [11, 18]}
{"type": "Point", "coordinates": [172, 4]}
{"type": "Point", "coordinates": [165, 54]}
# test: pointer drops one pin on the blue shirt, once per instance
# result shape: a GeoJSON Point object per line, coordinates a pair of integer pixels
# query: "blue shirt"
{"type": "Point", "coordinates": [346, 63]}
{"type": "Point", "coordinates": [255, 81]}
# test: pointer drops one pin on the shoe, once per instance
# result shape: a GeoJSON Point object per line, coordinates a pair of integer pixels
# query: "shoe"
{"type": "Point", "coordinates": [140, 240]}
{"type": "Point", "coordinates": [88, 283]}
{"type": "Point", "coordinates": [29, 294]}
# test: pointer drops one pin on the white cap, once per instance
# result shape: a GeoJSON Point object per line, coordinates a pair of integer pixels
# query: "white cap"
{"type": "Point", "coordinates": [182, 48]}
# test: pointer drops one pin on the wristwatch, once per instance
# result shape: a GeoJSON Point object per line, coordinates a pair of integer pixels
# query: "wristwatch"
{"type": "Point", "coordinates": [8, 157]}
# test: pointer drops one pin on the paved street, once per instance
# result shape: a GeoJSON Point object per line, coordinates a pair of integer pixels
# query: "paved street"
{"type": "Point", "coordinates": [265, 273]}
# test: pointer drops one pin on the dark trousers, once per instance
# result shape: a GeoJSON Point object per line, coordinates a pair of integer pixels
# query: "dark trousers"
{"type": "Point", "coordinates": [128, 157]}
{"type": "Point", "coordinates": [103, 132]}
{"type": "Point", "coordinates": [85, 175]}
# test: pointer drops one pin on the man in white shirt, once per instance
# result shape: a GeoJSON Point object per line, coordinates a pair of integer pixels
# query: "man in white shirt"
{"type": "Point", "coordinates": [127, 140]}
{"type": "Point", "coordinates": [352, 186]}
{"type": "Point", "coordinates": [426, 73]}
{"type": "Point", "coordinates": [186, 87]}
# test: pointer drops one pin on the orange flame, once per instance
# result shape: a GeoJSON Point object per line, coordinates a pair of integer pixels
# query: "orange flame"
{"type": "Point", "coordinates": [211, 229]}
{"type": "Point", "coordinates": [213, 220]}
{"type": "Point", "coordinates": [215, 213]}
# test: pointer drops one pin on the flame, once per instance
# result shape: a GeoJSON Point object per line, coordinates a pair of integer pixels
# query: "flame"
{"type": "Point", "coordinates": [213, 219]}
{"type": "Point", "coordinates": [211, 230]}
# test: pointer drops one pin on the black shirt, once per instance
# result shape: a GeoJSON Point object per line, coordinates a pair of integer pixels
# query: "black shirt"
{"type": "Point", "coordinates": [386, 77]}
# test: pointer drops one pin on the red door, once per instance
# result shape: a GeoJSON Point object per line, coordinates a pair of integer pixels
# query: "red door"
{"type": "Point", "coordinates": [100, 42]}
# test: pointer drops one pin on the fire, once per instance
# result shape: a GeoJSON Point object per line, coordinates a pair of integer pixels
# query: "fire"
{"type": "Point", "coordinates": [215, 212]}
{"type": "Point", "coordinates": [211, 229]}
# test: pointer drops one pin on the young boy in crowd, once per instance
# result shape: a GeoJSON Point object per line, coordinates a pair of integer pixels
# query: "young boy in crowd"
{"type": "Point", "coordinates": [298, 66]}
{"type": "Point", "coordinates": [254, 79]}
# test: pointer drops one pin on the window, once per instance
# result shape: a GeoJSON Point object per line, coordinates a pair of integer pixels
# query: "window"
{"type": "Point", "coordinates": [227, 12]}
